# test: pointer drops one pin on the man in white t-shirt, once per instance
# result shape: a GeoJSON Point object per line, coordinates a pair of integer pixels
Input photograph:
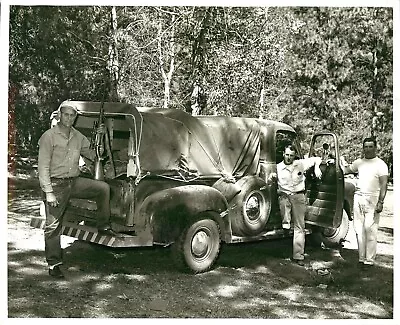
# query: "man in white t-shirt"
{"type": "Point", "coordinates": [292, 196]}
{"type": "Point", "coordinates": [368, 199]}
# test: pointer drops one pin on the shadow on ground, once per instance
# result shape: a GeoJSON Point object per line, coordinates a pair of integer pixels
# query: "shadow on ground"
{"type": "Point", "coordinates": [254, 280]}
{"type": "Point", "coordinates": [250, 280]}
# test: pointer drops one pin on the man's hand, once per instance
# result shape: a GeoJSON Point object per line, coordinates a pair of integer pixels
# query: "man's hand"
{"type": "Point", "coordinates": [272, 178]}
{"type": "Point", "coordinates": [51, 199]}
{"type": "Point", "coordinates": [101, 129]}
{"type": "Point", "coordinates": [317, 172]}
{"type": "Point", "coordinates": [330, 161]}
{"type": "Point", "coordinates": [379, 207]}
{"type": "Point", "coordinates": [100, 132]}
{"type": "Point", "coordinates": [344, 165]}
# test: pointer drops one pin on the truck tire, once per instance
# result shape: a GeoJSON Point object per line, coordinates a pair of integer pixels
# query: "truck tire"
{"type": "Point", "coordinates": [333, 237]}
{"type": "Point", "coordinates": [250, 208]}
{"type": "Point", "coordinates": [198, 247]}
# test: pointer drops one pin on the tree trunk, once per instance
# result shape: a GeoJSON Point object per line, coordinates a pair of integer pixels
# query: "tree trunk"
{"type": "Point", "coordinates": [113, 63]}
{"type": "Point", "coordinates": [261, 102]}
{"type": "Point", "coordinates": [167, 53]}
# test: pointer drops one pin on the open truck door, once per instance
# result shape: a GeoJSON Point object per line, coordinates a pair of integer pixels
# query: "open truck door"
{"type": "Point", "coordinates": [325, 196]}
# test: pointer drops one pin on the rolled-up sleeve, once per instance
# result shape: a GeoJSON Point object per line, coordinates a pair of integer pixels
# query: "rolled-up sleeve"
{"type": "Point", "coordinates": [86, 151]}
{"type": "Point", "coordinates": [309, 162]}
{"type": "Point", "coordinates": [44, 160]}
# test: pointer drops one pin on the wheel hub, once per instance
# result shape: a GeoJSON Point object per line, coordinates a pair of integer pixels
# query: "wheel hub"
{"type": "Point", "coordinates": [253, 207]}
{"type": "Point", "coordinates": [200, 243]}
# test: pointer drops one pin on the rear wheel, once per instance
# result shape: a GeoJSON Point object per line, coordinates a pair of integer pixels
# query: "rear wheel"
{"type": "Point", "coordinates": [198, 247]}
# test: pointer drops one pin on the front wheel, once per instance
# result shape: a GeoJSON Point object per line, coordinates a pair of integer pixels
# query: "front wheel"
{"type": "Point", "coordinates": [198, 246]}
{"type": "Point", "coordinates": [331, 237]}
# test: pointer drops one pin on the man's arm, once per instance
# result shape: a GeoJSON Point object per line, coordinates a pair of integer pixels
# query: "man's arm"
{"type": "Point", "coordinates": [345, 166]}
{"type": "Point", "coordinates": [44, 159]}
{"type": "Point", "coordinates": [313, 161]}
{"type": "Point", "coordinates": [45, 153]}
{"type": "Point", "coordinates": [86, 151]}
{"type": "Point", "coordinates": [317, 169]}
{"type": "Point", "coordinates": [383, 180]}
{"type": "Point", "coordinates": [347, 170]}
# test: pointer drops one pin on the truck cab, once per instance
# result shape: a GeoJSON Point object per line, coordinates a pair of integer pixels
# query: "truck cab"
{"type": "Point", "coordinates": [196, 183]}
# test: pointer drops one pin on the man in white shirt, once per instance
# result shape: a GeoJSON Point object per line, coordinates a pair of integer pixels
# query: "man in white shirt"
{"type": "Point", "coordinates": [368, 199]}
{"type": "Point", "coordinates": [292, 196]}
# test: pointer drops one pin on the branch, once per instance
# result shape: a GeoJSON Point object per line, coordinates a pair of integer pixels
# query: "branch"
{"type": "Point", "coordinates": [165, 11]}
{"type": "Point", "coordinates": [83, 41]}
{"type": "Point", "coordinates": [277, 97]}
{"type": "Point", "coordinates": [97, 58]}
{"type": "Point", "coordinates": [160, 35]}
{"type": "Point", "coordinates": [171, 12]}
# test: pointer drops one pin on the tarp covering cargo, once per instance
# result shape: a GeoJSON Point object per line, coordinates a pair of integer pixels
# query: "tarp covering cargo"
{"type": "Point", "coordinates": [172, 142]}
{"type": "Point", "coordinates": [212, 146]}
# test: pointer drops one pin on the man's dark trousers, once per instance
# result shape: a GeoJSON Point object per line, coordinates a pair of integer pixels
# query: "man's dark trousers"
{"type": "Point", "coordinates": [64, 190]}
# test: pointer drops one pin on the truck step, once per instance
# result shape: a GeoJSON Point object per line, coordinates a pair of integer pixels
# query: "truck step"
{"type": "Point", "coordinates": [90, 234]}
{"type": "Point", "coordinates": [38, 222]}
{"type": "Point", "coordinates": [270, 234]}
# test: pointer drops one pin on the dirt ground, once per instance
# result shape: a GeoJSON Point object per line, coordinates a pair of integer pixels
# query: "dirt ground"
{"type": "Point", "coordinates": [253, 280]}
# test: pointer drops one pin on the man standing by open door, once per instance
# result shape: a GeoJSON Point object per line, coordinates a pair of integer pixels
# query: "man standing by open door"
{"type": "Point", "coordinates": [368, 199]}
{"type": "Point", "coordinates": [292, 196]}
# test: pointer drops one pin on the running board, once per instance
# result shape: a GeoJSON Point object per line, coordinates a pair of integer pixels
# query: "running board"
{"type": "Point", "coordinates": [90, 234]}
{"type": "Point", "coordinates": [38, 222]}
{"type": "Point", "coordinates": [270, 234]}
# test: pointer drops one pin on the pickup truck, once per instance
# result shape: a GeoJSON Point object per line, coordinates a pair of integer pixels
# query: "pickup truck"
{"type": "Point", "coordinates": [198, 182]}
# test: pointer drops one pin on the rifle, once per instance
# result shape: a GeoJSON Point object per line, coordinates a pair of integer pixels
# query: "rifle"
{"type": "Point", "coordinates": [99, 147]}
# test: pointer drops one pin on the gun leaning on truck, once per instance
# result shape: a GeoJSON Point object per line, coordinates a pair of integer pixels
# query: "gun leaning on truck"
{"type": "Point", "coordinates": [101, 143]}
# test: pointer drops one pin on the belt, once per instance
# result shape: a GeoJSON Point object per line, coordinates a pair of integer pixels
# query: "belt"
{"type": "Point", "coordinates": [293, 193]}
{"type": "Point", "coordinates": [61, 179]}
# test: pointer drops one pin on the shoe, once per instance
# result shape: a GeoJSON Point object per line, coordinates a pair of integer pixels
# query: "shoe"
{"type": "Point", "coordinates": [109, 232]}
{"type": "Point", "coordinates": [298, 262]}
{"type": "Point", "coordinates": [368, 265]}
{"type": "Point", "coordinates": [365, 266]}
{"type": "Point", "coordinates": [56, 272]}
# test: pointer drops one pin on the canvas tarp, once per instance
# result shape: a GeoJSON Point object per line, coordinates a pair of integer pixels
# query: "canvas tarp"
{"type": "Point", "coordinates": [207, 146]}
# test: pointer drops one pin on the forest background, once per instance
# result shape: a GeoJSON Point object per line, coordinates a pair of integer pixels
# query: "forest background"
{"type": "Point", "coordinates": [311, 67]}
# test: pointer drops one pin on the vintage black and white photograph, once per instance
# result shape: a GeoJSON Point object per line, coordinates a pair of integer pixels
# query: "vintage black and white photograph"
{"type": "Point", "coordinates": [202, 161]}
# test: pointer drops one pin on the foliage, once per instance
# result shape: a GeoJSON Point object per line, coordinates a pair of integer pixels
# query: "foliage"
{"type": "Point", "coordinates": [311, 67]}
{"type": "Point", "coordinates": [342, 71]}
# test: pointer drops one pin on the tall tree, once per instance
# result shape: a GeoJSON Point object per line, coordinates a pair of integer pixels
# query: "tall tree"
{"type": "Point", "coordinates": [112, 60]}
{"type": "Point", "coordinates": [166, 48]}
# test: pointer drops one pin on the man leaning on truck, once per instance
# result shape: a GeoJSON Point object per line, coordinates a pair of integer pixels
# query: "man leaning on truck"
{"type": "Point", "coordinates": [59, 150]}
{"type": "Point", "coordinates": [292, 197]}
{"type": "Point", "coordinates": [368, 199]}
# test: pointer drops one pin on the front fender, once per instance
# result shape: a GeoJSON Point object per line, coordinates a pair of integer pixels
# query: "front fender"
{"type": "Point", "coordinates": [166, 213]}
{"type": "Point", "coordinates": [349, 189]}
